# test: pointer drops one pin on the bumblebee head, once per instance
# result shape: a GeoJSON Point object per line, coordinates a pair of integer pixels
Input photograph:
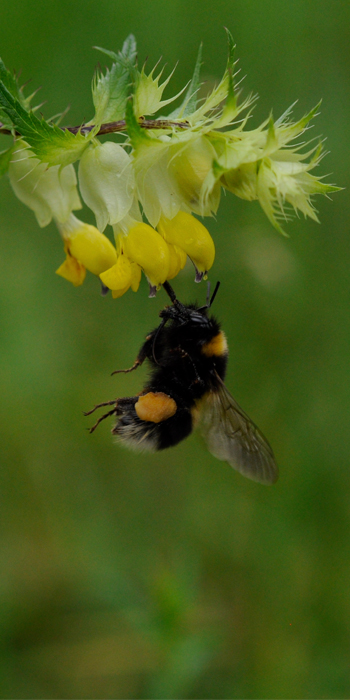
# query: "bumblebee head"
{"type": "Point", "coordinates": [190, 314]}
{"type": "Point", "coordinates": [193, 313]}
{"type": "Point", "coordinates": [182, 315]}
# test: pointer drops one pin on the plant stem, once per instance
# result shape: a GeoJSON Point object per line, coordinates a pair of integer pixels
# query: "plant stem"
{"type": "Point", "coordinates": [114, 127]}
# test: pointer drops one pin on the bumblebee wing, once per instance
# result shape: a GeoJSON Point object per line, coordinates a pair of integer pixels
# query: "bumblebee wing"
{"type": "Point", "coordinates": [234, 438]}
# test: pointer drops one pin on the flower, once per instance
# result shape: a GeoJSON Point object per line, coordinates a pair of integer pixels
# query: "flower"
{"type": "Point", "coordinates": [160, 254]}
{"type": "Point", "coordinates": [170, 172]}
{"type": "Point", "coordinates": [139, 247]}
{"type": "Point", "coordinates": [121, 276]}
{"type": "Point", "coordinates": [163, 172]}
{"type": "Point", "coordinates": [71, 269]}
{"type": "Point", "coordinates": [86, 248]}
{"type": "Point", "coordinates": [263, 165]}
{"type": "Point", "coordinates": [52, 194]}
{"type": "Point", "coordinates": [177, 260]}
{"type": "Point", "coordinates": [187, 234]}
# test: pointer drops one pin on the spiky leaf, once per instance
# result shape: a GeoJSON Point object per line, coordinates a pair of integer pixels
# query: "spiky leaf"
{"type": "Point", "coordinates": [231, 50]}
{"type": "Point", "coordinates": [223, 91]}
{"type": "Point", "coordinates": [148, 93]}
{"type": "Point", "coordinates": [50, 144]}
{"type": "Point", "coordinates": [11, 83]}
{"type": "Point", "coordinates": [110, 91]}
{"type": "Point", "coordinates": [189, 103]}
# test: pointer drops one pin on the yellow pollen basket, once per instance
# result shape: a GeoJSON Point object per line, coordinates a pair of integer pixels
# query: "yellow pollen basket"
{"type": "Point", "coordinates": [155, 407]}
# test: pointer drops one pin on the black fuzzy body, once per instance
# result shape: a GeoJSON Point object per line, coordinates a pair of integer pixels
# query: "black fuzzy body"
{"type": "Point", "coordinates": [188, 355]}
{"type": "Point", "coordinates": [180, 369]}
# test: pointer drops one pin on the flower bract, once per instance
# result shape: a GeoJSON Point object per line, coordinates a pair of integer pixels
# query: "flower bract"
{"type": "Point", "coordinates": [107, 183]}
{"type": "Point", "coordinates": [49, 192]}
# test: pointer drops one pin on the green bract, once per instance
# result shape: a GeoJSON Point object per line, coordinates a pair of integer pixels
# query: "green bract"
{"type": "Point", "coordinates": [107, 182]}
{"type": "Point", "coordinates": [110, 91]}
{"type": "Point", "coordinates": [164, 168]}
{"type": "Point", "coordinates": [50, 192]}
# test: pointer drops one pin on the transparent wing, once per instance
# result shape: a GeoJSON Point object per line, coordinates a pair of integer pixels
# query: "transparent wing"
{"type": "Point", "coordinates": [233, 437]}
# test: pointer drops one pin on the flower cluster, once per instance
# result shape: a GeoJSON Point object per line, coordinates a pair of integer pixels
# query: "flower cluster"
{"type": "Point", "coordinates": [151, 186]}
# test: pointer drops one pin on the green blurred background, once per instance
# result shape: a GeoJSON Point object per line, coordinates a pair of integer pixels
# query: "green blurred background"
{"type": "Point", "coordinates": [170, 575]}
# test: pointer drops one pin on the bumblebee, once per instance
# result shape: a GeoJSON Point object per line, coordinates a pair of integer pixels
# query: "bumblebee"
{"type": "Point", "coordinates": [188, 355]}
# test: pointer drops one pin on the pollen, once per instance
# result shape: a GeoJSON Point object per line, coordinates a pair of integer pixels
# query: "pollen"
{"type": "Point", "coordinates": [155, 407]}
{"type": "Point", "coordinates": [216, 346]}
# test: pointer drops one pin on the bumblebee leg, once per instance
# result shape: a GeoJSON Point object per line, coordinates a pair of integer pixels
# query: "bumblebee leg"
{"type": "Point", "coordinates": [136, 364]}
{"type": "Point", "coordinates": [125, 405]}
{"type": "Point", "coordinates": [106, 415]}
{"type": "Point", "coordinates": [183, 353]}
{"type": "Point", "coordinates": [144, 352]}
{"type": "Point", "coordinates": [99, 405]}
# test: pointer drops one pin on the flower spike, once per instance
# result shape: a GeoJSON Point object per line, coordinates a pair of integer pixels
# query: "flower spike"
{"type": "Point", "coordinates": [163, 172]}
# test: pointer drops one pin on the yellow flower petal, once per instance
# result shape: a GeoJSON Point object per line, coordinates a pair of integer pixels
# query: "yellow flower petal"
{"type": "Point", "coordinates": [72, 270]}
{"type": "Point", "coordinates": [94, 250]}
{"type": "Point", "coordinates": [144, 246]}
{"type": "Point", "coordinates": [135, 276]}
{"type": "Point", "coordinates": [119, 276]}
{"type": "Point", "coordinates": [177, 260]}
{"type": "Point", "coordinates": [189, 234]}
{"type": "Point", "coordinates": [116, 293]}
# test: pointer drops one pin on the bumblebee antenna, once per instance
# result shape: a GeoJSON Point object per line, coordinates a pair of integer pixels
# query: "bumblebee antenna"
{"type": "Point", "coordinates": [214, 293]}
{"type": "Point", "coordinates": [208, 295]}
{"type": "Point", "coordinates": [210, 300]}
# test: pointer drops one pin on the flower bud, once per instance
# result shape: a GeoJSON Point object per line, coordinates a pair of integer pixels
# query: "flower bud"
{"type": "Point", "coordinates": [88, 245]}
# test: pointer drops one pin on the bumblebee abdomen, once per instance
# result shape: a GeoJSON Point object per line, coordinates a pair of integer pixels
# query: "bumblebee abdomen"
{"type": "Point", "coordinates": [155, 422]}
{"type": "Point", "coordinates": [175, 429]}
